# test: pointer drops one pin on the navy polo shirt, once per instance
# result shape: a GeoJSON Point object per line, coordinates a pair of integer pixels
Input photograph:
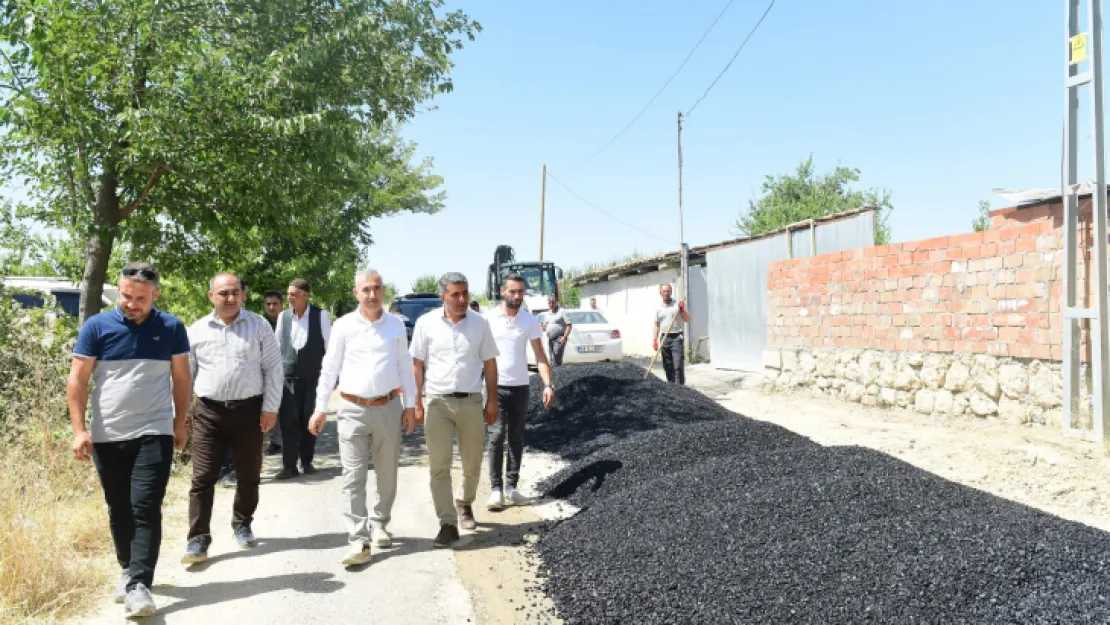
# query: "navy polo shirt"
{"type": "Point", "coordinates": [132, 388]}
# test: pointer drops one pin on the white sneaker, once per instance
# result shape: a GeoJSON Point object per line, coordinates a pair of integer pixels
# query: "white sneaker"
{"type": "Point", "coordinates": [138, 603]}
{"type": "Point", "coordinates": [382, 539]}
{"type": "Point", "coordinates": [357, 553]}
{"type": "Point", "coordinates": [496, 502]}
{"type": "Point", "coordinates": [514, 497]}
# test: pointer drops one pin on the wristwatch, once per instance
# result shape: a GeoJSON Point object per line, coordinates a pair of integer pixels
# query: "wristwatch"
{"type": "Point", "coordinates": [550, 386]}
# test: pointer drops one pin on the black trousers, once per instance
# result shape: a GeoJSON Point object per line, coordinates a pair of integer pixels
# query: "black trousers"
{"type": "Point", "coordinates": [558, 347]}
{"type": "Point", "coordinates": [134, 474]}
{"type": "Point", "coordinates": [512, 402]}
{"type": "Point", "coordinates": [298, 402]}
{"type": "Point", "coordinates": [674, 356]}
{"type": "Point", "coordinates": [217, 430]}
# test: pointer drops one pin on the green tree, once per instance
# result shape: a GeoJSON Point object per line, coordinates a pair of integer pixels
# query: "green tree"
{"type": "Point", "coordinates": [256, 136]}
{"type": "Point", "coordinates": [982, 222]}
{"type": "Point", "coordinates": [425, 284]}
{"type": "Point", "coordinates": [790, 198]}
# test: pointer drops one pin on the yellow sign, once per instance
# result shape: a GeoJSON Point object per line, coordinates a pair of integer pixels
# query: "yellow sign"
{"type": "Point", "coordinates": [1079, 48]}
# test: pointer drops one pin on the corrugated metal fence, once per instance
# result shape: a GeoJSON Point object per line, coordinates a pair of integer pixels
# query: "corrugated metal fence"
{"type": "Point", "coordinates": [737, 283]}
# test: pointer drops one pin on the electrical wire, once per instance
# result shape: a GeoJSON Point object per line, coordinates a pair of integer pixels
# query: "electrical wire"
{"type": "Point", "coordinates": [711, 85]}
{"type": "Point", "coordinates": [605, 212]}
{"type": "Point", "coordinates": [653, 98]}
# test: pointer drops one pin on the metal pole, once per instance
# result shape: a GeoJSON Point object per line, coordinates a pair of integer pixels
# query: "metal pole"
{"type": "Point", "coordinates": [543, 199]}
{"type": "Point", "coordinates": [1070, 199]}
{"type": "Point", "coordinates": [1100, 351]}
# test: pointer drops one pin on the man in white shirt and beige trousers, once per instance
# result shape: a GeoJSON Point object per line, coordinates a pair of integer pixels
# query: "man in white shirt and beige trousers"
{"type": "Point", "coordinates": [452, 350]}
{"type": "Point", "coordinates": [368, 355]}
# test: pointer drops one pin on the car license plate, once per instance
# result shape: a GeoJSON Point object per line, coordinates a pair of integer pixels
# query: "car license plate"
{"type": "Point", "coordinates": [590, 349]}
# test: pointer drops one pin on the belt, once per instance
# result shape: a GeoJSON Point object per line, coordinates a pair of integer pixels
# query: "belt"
{"type": "Point", "coordinates": [455, 395]}
{"type": "Point", "coordinates": [377, 401]}
{"type": "Point", "coordinates": [230, 404]}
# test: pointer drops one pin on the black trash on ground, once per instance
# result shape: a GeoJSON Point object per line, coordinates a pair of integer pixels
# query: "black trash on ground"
{"type": "Point", "coordinates": [679, 530]}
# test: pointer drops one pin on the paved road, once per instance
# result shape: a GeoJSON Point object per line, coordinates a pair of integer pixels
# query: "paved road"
{"type": "Point", "coordinates": [294, 576]}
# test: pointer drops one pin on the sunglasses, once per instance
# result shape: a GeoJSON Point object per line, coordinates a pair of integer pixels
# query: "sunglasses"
{"type": "Point", "coordinates": [144, 273]}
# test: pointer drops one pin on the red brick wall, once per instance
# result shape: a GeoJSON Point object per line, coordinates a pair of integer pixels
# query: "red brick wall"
{"type": "Point", "coordinates": [996, 292]}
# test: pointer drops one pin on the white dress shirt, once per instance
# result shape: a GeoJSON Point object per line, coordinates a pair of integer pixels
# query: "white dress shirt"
{"type": "Point", "coordinates": [298, 330]}
{"type": "Point", "coordinates": [453, 353]}
{"type": "Point", "coordinates": [238, 360]}
{"type": "Point", "coordinates": [369, 358]}
{"type": "Point", "coordinates": [513, 336]}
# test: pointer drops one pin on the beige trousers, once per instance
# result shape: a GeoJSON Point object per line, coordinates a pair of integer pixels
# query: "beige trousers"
{"type": "Point", "coordinates": [369, 433]}
{"type": "Point", "coordinates": [444, 417]}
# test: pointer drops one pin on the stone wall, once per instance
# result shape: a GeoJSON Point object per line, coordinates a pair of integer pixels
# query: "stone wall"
{"type": "Point", "coordinates": [1019, 391]}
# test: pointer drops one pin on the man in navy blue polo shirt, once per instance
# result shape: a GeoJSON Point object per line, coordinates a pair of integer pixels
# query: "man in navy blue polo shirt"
{"type": "Point", "coordinates": [138, 359]}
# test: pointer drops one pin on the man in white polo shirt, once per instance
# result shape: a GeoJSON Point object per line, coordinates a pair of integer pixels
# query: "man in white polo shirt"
{"type": "Point", "coordinates": [452, 351]}
{"type": "Point", "coordinates": [368, 355]}
{"type": "Point", "coordinates": [514, 329]}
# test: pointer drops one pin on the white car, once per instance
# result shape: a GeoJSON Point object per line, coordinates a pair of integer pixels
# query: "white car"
{"type": "Point", "coordinates": [592, 339]}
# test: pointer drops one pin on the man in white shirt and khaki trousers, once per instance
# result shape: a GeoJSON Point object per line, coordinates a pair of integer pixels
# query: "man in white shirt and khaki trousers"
{"type": "Point", "coordinates": [452, 351]}
{"type": "Point", "coordinates": [368, 355]}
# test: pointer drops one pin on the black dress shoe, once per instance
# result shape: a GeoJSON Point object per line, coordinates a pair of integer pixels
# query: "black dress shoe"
{"type": "Point", "coordinates": [273, 450]}
{"type": "Point", "coordinates": [286, 474]}
{"type": "Point", "coordinates": [309, 469]}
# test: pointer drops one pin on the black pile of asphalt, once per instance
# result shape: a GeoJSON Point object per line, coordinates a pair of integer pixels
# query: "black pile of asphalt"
{"type": "Point", "coordinates": [723, 519]}
{"type": "Point", "coordinates": [601, 404]}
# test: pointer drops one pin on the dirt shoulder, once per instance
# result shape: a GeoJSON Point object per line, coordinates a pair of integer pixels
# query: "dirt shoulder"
{"type": "Point", "coordinates": [497, 565]}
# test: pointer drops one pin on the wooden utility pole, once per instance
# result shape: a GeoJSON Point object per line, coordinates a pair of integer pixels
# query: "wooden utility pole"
{"type": "Point", "coordinates": [543, 198]}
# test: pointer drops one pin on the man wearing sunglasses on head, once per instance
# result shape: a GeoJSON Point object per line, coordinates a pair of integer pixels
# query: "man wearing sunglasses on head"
{"type": "Point", "coordinates": [138, 359]}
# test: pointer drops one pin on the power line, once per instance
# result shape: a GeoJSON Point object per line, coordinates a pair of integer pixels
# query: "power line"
{"type": "Point", "coordinates": [605, 212]}
{"type": "Point", "coordinates": [711, 85]}
{"type": "Point", "coordinates": [649, 102]}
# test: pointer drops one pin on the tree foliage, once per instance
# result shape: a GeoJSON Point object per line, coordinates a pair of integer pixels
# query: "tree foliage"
{"type": "Point", "coordinates": [256, 136]}
{"type": "Point", "coordinates": [982, 221]}
{"type": "Point", "coordinates": [805, 194]}
{"type": "Point", "coordinates": [425, 284]}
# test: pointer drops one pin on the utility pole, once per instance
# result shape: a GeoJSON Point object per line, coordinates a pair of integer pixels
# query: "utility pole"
{"type": "Point", "coordinates": [684, 266]}
{"type": "Point", "coordinates": [543, 198]}
{"type": "Point", "coordinates": [681, 237]}
{"type": "Point", "coordinates": [1085, 47]}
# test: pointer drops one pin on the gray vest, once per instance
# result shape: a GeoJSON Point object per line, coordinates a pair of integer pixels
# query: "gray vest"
{"type": "Point", "coordinates": [306, 362]}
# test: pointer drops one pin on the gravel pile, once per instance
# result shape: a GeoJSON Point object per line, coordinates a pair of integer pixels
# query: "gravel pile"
{"type": "Point", "coordinates": [651, 454]}
{"type": "Point", "coordinates": [738, 521]}
{"type": "Point", "coordinates": [600, 404]}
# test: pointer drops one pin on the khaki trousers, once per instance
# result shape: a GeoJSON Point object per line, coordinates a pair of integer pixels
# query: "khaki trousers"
{"type": "Point", "coordinates": [444, 417]}
{"type": "Point", "coordinates": [369, 433]}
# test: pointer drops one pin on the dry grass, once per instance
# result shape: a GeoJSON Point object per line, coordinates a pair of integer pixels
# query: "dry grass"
{"type": "Point", "coordinates": [55, 551]}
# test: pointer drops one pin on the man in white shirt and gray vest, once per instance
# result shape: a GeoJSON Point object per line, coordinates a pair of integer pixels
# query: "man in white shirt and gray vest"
{"type": "Point", "coordinates": [368, 355]}
{"type": "Point", "coordinates": [452, 351]}
{"type": "Point", "coordinates": [302, 332]}
{"type": "Point", "coordinates": [668, 330]}
{"type": "Point", "coordinates": [515, 330]}
{"type": "Point", "coordinates": [237, 379]}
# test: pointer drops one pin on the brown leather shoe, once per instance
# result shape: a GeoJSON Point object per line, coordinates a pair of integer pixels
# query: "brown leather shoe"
{"type": "Point", "coordinates": [466, 516]}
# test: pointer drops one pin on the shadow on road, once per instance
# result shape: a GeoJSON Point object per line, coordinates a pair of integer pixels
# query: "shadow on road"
{"type": "Point", "coordinates": [220, 592]}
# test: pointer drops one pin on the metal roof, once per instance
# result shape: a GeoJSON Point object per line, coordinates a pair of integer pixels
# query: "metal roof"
{"type": "Point", "coordinates": [668, 260]}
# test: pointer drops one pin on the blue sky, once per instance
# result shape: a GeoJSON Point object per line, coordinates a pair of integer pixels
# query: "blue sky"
{"type": "Point", "coordinates": [938, 101]}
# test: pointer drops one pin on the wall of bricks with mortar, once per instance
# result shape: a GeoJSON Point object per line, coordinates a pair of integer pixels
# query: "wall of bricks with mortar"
{"type": "Point", "coordinates": [996, 292]}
